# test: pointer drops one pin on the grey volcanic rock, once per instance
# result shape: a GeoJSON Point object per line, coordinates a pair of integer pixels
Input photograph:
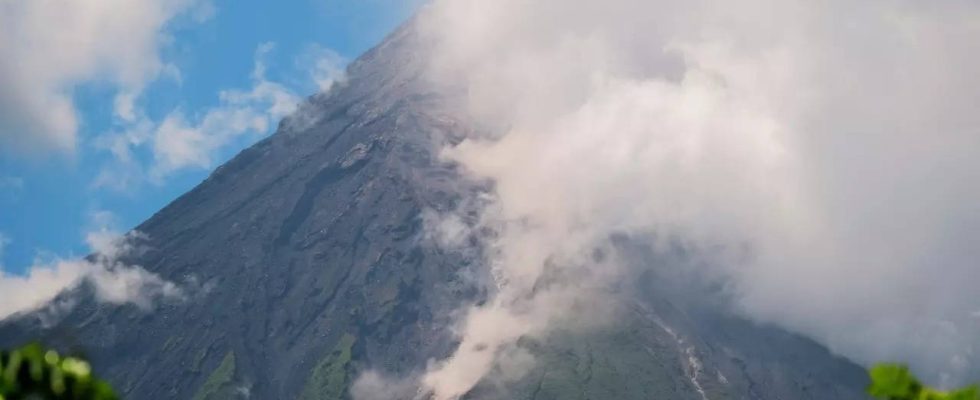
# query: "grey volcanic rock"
{"type": "Point", "coordinates": [313, 266]}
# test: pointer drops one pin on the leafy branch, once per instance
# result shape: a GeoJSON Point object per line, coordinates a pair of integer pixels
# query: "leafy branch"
{"type": "Point", "coordinates": [31, 372]}
{"type": "Point", "coordinates": [895, 382]}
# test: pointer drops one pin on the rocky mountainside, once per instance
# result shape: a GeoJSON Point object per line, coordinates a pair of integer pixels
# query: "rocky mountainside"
{"type": "Point", "coordinates": [314, 265]}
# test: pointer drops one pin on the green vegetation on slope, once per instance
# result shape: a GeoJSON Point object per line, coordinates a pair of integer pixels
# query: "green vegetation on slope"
{"type": "Point", "coordinates": [595, 365]}
{"type": "Point", "coordinates": [218, 385]}
{"type": "Point", "coordinates": [199, 359]}
{"type": "Point", "coordinates": [170, 344]}
{"type": "Point", "coordinates": [329, 379]}
{"type": "Point", "coordinates": [895, 382]}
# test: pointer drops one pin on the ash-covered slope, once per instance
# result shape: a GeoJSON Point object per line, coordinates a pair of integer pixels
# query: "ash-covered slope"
{"type": "Point", "coordinates": [315, 266]}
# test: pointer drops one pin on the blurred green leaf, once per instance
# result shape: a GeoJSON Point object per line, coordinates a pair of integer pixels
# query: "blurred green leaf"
{"type": "Point", "coordinates": [896, 382]}
{"type": "Point", "coordinates": [34, 372]}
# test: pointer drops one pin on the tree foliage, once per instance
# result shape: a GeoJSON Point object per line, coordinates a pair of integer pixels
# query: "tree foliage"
{"type": "Point", "coordinates": [31, 372]}
{"type": "Point", "coordinates": [895, 382]}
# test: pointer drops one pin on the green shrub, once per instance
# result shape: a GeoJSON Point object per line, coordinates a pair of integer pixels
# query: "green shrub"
{"type": "Point", "coordinates": [31, 372]}
{"type": "Point", "coordinates": [895, 382]}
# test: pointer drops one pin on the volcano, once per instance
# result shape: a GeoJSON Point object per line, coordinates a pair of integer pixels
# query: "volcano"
{"type": "Point", "coordinates": [313, 265]}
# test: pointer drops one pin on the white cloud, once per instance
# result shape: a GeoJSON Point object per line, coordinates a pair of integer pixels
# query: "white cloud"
{"type": "Point", "coordinates": [371, 385]}
{"type": "Point", "coordinates": [181, 141]}
{"type": "Point", "coordinates": [446, 230]}
{"type": "Point", "coordinates": [114, 282]}
{"type": "Point", "coordinates": [825, 152]}
{"type": "Point", "coordinates": [48, 47]}
{"type": "Point", "coordinates": [124, 106]}
{"type": "Point", "coordinates": [38, 286]}
{"type": "Point", "coordinates": [179, 144]}
{"type": "Point", "coordinates": [327, 66]}
{"type": "Point", "coordinates": [125, 172]}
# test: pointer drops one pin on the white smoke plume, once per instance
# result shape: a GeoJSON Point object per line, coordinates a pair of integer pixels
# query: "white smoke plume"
{"type": "Point", "coordinates": [828, 152]}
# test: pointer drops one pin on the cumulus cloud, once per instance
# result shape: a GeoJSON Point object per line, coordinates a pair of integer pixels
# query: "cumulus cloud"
{"type": "Point", "coordinates": [180, 141]}
{"type": "Point", "coordinates": [113, 281]}
{"type": "Point", "coordinates": [826, 153]}
{"type": "Point", "coordinates": [48, 47]}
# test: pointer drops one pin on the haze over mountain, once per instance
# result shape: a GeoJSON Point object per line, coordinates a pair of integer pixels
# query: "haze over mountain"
{"type": "Point", "coordinates": [497, 204]}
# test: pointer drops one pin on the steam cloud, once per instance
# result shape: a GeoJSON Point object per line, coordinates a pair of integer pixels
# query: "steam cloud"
{"type": "Point", "coordinates": [830, 149]}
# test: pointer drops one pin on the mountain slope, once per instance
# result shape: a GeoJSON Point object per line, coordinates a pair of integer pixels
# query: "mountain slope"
{"type": "Point", "coordinates": [314, 265]}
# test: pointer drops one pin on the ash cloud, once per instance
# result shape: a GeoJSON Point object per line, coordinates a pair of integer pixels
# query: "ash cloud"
{"type": "Point", "coordinates": [827, 153]}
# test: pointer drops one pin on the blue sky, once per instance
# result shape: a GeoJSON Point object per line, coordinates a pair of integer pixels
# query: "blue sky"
{"type": "Point", "coordinates": [203, 66]}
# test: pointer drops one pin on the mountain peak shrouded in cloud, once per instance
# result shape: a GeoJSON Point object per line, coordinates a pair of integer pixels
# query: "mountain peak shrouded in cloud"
{"type": "Point", "coordinates": [820, 157]}
{"type": "Point", "coordinates": [520, 199]}
{"type": "Point", "coordinates": [339, 257]}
